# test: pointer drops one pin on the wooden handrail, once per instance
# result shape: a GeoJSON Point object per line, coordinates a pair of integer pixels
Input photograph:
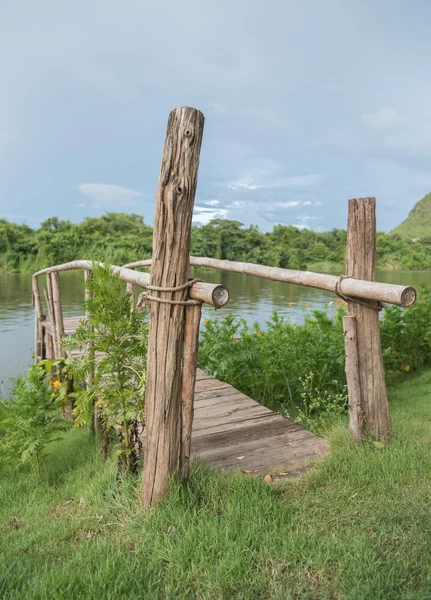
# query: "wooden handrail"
{"type": "Point", "coordinates": [211, 293]}
{"type": "Point", "coordinates": [357, 288]}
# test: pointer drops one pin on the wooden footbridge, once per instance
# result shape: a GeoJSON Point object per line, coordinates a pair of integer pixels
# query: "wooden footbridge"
{"type": "Point", "coordinates": [188, 411]}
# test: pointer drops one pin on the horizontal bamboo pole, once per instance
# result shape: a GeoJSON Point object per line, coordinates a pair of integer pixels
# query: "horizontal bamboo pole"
{"type": "Point", "coordinates": [210, 293]}
{"type": "Point", "coordinates": [358, 288]}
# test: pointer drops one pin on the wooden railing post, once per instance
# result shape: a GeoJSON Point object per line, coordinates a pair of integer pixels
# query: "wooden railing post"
{"type": "Point", "coordinates": [191, 345]}
{"type": "Point", "coordinates": [361, 264]}
{"type": "Point", "coordinates": [170, 268]}
{"type": "Point", "coordinates": [95, 425]}
{"type": "Point", "coordinates": [58, 314]}
{"type": "Point", "coordinates": [356, 413]}
{"type": "Point", "coordinates": [38, 312]}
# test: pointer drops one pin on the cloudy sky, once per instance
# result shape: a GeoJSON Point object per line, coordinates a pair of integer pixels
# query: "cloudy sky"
{"type": "Point", "coordinates": [307, 104]}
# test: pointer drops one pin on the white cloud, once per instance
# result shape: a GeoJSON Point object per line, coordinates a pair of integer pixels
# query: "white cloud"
{"type": "Point", "coordinates": [105, 195]}
{"type": "Point", "coordinates": [383, 119]}
{"type": "Point", "coordinates": [289, 204]}
{"type": "Point", "coordinates": [204, 215]}
{"type": "Point", "coordinates": [218, 108]}
{"type": "Point", "coordinates": [211, 202]}
{"type": "Point", "coordinates": [274, 183]}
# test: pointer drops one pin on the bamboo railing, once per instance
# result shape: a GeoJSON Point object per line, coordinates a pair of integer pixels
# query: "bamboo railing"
{"type": "Point", "coordinates": [48, 334]}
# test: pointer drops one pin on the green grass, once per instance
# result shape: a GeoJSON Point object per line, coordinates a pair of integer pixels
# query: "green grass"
{"type": "Point", "coordinates": [358, 526]}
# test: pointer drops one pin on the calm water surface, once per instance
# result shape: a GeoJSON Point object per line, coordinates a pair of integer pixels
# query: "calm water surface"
{"type": "Point", "coordinates": [250, 297]}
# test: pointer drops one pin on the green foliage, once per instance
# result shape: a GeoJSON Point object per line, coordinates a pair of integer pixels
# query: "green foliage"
{"type": "Point", "coordinates": [119, 238]}
{"type": "Point", "coordinates": [300, 368]}
{"type": "Point", "coordinates": [356, 527]}
{"type": "Point", "coordinates": [113, 340]}
{"type": "Point", "coordinates": [319, 408]}
{"type": "Point", "coordinates": [267, 364]}
{"type": "Point", "coordinates": [406, 336]}
{"type": "Point", "coordinates": [29, 421]}
{"type": "Point", "coordinates": [418, 223]}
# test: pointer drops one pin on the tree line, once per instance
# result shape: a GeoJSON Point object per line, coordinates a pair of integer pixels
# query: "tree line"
{"type": "Point", "coordinates": [119, 238]}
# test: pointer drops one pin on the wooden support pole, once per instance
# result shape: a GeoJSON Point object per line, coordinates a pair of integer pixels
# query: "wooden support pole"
{"type": "Point", "coordinates": [170, 268]}
{"type": "Point", "coordinates": [58, 313]}
{"type": "Point", "coordinates": [38, 313]}
{"type": "Point", "coordinates": [191, 345]}
{"type": "Point", "coordinates": [356, 414]}
{"type": "Point", "coordinates": [361, 264]}
{"type": "Point", "coordinates": [94, 425]}
{"type": "Point", "coordinates": [50, 303]}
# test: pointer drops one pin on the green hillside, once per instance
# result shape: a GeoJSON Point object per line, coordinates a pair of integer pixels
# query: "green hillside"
{"type": "Point", "coordinates": [418, 223]}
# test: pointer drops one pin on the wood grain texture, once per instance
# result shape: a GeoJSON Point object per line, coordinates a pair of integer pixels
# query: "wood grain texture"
{"type": "Point", "coordinates": [58, 314]}
{"type": "Point", "coordinates": [170, 268]}
{"type": "Point", "coordinates": [190, 363]}
{"type": "Point", "coordinates": [361, 263]}
{"type": "Point", "coordinates": [356, 411]}
{"type": "Point", "coordinates": [212, 293]}
{"type": "Point", "coordinates": [382, 292]}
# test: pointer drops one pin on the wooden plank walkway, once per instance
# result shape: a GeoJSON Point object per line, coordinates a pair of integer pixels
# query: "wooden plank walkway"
{"type": "Point", "coordinates": [233, 431]}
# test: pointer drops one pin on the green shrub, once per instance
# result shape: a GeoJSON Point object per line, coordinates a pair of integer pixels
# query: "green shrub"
{"type": "Point", "coordinates": [118, 338]}
{"type": "Point", "coordinates": [29, 420]}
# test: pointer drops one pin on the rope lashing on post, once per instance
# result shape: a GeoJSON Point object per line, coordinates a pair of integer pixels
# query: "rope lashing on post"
{"type": "Point", "coordinates": [145, 298]}
{"type": "Point", "coordinates": [337, 290]}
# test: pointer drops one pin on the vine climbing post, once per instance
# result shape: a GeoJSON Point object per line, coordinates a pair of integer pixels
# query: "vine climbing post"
{"type": "Point", "coordinates": [361, 264]}
{"type": "Point", "coordinates": [170, 269]}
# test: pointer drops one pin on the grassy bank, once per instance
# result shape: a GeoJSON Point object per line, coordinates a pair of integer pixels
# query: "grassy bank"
{"type": "Point", "coordinates": [356, 527]}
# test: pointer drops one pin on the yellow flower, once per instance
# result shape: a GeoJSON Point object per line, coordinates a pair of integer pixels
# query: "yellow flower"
{"type": "Point", "coordinates": [259, 334]}
{"type": "Point", "coordinates": [290, 304]}
{"type": "Point", "coordinates": [295, 323]}
{"type": "Point", "coordinates": [307, 305]}
{"type": "Point", "coordinates": [207, 321]}
{"type": "Point", "coordinates": [56, 384]}
{"type": "Point", "coordinates": [329, 303]}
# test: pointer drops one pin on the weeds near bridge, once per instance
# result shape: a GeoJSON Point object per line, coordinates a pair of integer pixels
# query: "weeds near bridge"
{"type": "Point", "coordinates": [29, 421]}
{"type": "Point", "coordinates": [113, 341]}
{"type": "Point", "coordinates": [299, 369]}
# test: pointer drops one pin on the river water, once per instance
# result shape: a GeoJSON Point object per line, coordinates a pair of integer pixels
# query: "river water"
{"type": "Point", "coordinates": [251, 298]}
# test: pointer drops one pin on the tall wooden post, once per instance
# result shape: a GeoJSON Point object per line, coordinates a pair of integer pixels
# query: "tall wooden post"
{"type": "Point", "coordinates": [38, 313]}
{"type": "Point", "coordinates": [191, 346]}
{"type": "Point", "coordinates": [361, 264]}
{"type": "Point", "coordinates": [170, 268]}
{"type": "Point", "coordinates": [94, 425]}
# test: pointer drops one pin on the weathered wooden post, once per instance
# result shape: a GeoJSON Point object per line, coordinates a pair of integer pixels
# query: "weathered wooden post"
{"type": "Point", "coordinates": [39, 349]}
{"type": "Point", "coordinates": [356, 413]}
{"type": "Point", "coordinates": [361, 264]}
{"type": "Point", "coordinates": [191, 345]}
{"type": "Point", "coordinates": [169, 271]}
{"type": "Point", "coordinates": [94, 425]}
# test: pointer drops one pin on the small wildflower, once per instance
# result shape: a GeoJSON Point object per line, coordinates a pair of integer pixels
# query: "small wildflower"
{"type": "Point", "coordinates": [56, 384]}
{"type": "Point", "coordinates": [259, 334]}
{"type": "Point", "coordinates": [290, 304]}
{"type": "Point", "coordinates": [207, 321]}
{"type": "Point", "coordinates": [307, 305]}
{"type": "Point", "coordinates": [295, 323]}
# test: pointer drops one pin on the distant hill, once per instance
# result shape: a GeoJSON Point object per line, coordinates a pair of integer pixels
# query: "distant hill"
{"type": "Point", "coordinates": [418, 223]}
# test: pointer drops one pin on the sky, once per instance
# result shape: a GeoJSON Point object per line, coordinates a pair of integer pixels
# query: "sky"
{"type": "Point", "coordinates": [306, 105]}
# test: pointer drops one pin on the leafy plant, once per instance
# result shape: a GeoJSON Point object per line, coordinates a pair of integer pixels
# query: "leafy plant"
{"type": "Point", "coordinates": [29, 420]}
{"type": "Point", "coordinates": [111, 373]}
{"type": "Point", "coordinates": [318, 407]}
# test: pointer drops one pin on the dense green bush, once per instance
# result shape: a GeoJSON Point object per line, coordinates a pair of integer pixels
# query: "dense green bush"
{"type": "Point", "coordinates": [119, 238]}
{"type": "Point", "coordinates": [300, 368]}
{"type": "Point", "coordinates": [29, 420]}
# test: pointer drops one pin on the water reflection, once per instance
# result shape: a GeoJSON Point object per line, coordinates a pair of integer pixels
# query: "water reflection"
{"type": "Point", "coordinates": [251, 298]}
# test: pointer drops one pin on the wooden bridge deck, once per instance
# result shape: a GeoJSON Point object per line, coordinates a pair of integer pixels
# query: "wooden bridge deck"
{"type": "Point", "coordinates": [233, 431]}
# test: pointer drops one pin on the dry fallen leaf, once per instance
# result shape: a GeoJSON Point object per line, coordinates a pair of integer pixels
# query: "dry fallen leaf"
{"type": "Point", "coordinates": [172, 528]}
{"type": "Point", "coordinates": [246, 471]}
{"type": "Point", "coordinates": [15, 523]}
{"type": "Point", "coordinates": [82, 502]}
{"type": "Point", "coordinates": [69, 500]}
{"type": "Point", "coordinates": [283, 474]}
{"type": "Point", "coordinates": [356, 512]}
{"type": "Point", "coordinates": [240, 457]}
{"type": "Point", "coordinates": [268, 478]}
{"type": "Point", "coordinates": [90, 534]}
